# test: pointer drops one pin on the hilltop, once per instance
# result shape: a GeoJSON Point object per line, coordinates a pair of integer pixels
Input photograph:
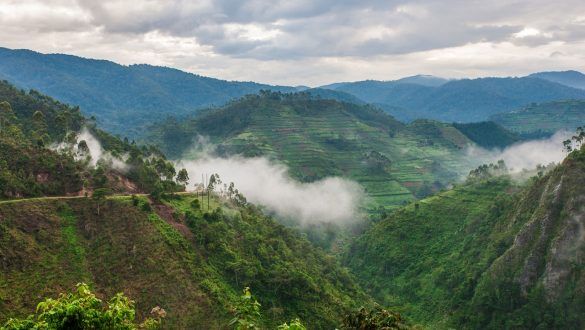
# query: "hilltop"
{"type": "Point", "coordinates": [489, 254]}
{"type": "Point", "coordinates": [317, 138]}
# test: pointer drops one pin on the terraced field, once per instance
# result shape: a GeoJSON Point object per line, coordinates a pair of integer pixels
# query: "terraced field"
{"type": "Point", "coordinates": [319, 138]}
{"type": "Point", "coordinates": [545, 118]}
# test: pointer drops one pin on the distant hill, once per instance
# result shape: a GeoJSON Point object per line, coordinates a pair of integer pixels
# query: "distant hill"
{"type": "Point", "coordinates": [488, 254]}
{"type": "Point", "coordinates": [570, 78]}
{"type": "Point", "coordinates": [317, 138]}
{"type": "Point", "coordinates": [424, 80]}
{"type": "Point", "coordinates": [488, 134]}
{"type": "Point", "coordinates": [465, 100]}
{"type": "Point", "coordinates": [122, 98]}
{"type": "Point", "coordinates": [544, 118]}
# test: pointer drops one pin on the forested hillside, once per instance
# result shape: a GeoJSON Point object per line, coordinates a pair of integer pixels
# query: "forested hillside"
{"type": "Point", "coordinates": [544, 118]}
{"type": "Point", "coordinates": [489, 254]}
{"type": "Point", "coordinates": [180, 254]}
{"type": "Point", "coordinates": [569, 78]}
{"type": "Point", "coordinates": [317, 138]}
{"type": "Point", "coordinates": [124, 99]}
{"type": "Point", "coordinates": [465, 100]}
{"type": "Point", "coordinates": [43, 152]}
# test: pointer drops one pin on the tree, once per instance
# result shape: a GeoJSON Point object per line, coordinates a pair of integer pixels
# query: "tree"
{"type": "Point", "coordinates": [83, 310]}
{"type": "Point", "coordinates": [247, 314]}
{"type": "Point", "coordinates": [99, 195]}
{"type": "Point", "coordinates": [39, 128]}
{"type": "Point", "coordinates": [7, 116]}
{"type": "Point", "coordinates": [183, 177]}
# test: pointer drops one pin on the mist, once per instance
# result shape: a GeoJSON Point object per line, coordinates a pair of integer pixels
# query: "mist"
{"type": "Point", "coordinates": [263, 182]}
{"type": "Point", "coordinates": [96, 151]}
{"type": "Point", "coordinates": [525, 155]}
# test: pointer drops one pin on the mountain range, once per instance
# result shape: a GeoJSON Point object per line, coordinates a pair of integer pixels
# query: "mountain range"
{"type": "Point", "coordinates": [126, 99]}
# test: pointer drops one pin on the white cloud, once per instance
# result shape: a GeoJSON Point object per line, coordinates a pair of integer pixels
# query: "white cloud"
{"type": "Point", "coordinates": [331, 200]}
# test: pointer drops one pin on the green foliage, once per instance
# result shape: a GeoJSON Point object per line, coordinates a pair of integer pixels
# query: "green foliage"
{"type": "Point", "coordinates": [292, 325]}
{"type": "Point", "coordinates": [247, 314]}
{"type": "Point", "coordinates": [365, 319]}
{"type": "Point", "coordinates": [82, 310]}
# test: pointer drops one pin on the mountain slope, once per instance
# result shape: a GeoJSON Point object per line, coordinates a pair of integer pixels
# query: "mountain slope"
{"type": "Point", "coordinates": [485, 255]}
{"type": "Point", "coordinates": [465, 100]}
{"type": "Point", "coordinates": [570, 78]}
{"type": "Point", "coordinates": [317, 138]}
{"type": "Point", "coordinates": [192, 263]}
{"type": "Point", "coordinates": [49, 148]}
{"type": "Point", "coordinates": [546, 118]}
{"type": "Point", "coordinates": [117, 95]}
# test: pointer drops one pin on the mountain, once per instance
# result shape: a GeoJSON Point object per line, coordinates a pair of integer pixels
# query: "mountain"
{"type": "Point", "coordinates": [570, 78]}
{"type": "Point", "coordinates": [122, 98]}
{"type": "Point", "coordinates": [465, 100]}
{"type": "Point", "coordinates": [423, 80]}
{"type": "Point", "coordinates": [544, 118]}
{"type": "Point", "coordinates": [171, 253]}
{"type": "Point", "coordinates": [488, 254]}
{"type": "Point", "coordinates": [318, 138]}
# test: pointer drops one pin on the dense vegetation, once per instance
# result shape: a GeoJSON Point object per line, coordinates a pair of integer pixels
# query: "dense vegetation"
{"type": "Point", "coordinates": [123, 98]}
{"type": "Point", "coordinates": [488, 254]}
{"type": "Point", "coordinates": [465, 100]}
{"type": "Point", "coordinates": [175, 254]}
{"type": "Point", "coordinates": [40, 153]}
{"type": "Point", "coordinates": [544, 118]}
{"type": "Point", "coordinates": [488, 134]}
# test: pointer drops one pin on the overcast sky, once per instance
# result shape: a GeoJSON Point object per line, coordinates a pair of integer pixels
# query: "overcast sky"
{"type": "Point", "coordinates": [308, 42]}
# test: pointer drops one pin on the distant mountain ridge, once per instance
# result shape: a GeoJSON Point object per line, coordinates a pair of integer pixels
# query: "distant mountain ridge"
{"type": "Point", "coordinates": [117, 94]}
{"type": "Point", "coordinates": [464, 100]}
{"type": "Point", "coordinates": [569, 78]}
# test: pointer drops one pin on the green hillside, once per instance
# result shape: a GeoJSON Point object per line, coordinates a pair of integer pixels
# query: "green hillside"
{"type": "Point", "coordinates": [193, 264]}
{"type": "Point", "coordinates": [544, 118]}
{"type": "Point", "coordinates": [488, 254]}
{"type": "Point", "coordinates": [317, 138]}
{"type": "Point", "coordinates": [42, 153]}
{"type": "Point", "coordinates": [488, 134]}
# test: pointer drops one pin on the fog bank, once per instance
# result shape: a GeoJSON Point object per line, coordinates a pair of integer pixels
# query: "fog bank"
{"type": "Point", "coordinates": [269, 184]}
{"type": "Point", "coordinates": [525, 155]}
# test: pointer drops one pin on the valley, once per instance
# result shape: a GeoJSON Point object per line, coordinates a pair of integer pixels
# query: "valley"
{"type": "Point", "coordinates": [417, 203]}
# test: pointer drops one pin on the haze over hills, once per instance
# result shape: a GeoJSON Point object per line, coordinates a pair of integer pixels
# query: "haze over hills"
{"type": "Point", "coordinates": [464, 100]}
{"type": "Point", "coordinates": [570, 78]}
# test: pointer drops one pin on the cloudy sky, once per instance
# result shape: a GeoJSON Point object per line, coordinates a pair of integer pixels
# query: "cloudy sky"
{"type": "Point", "coordinates": [309, 42]}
